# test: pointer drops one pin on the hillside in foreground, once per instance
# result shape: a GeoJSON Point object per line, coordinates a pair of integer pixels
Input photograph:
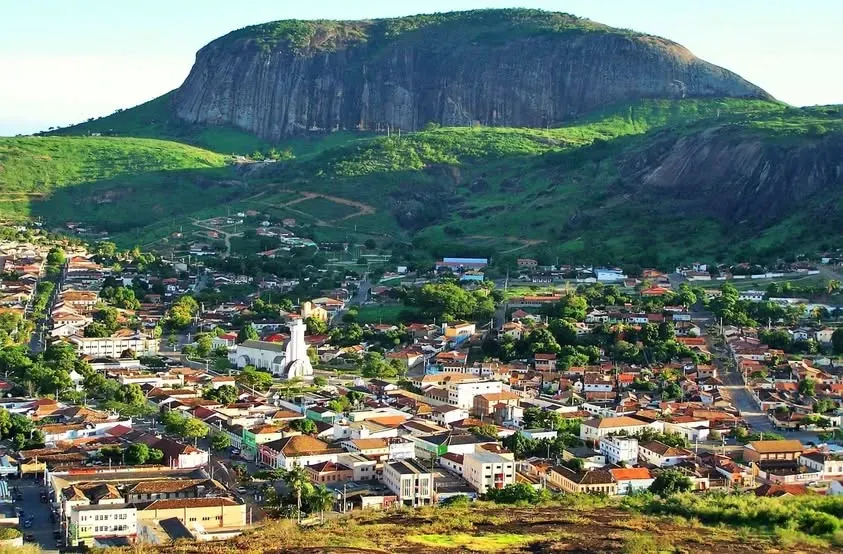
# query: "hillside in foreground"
{"type": "Point", "coordinates": [579, 524]}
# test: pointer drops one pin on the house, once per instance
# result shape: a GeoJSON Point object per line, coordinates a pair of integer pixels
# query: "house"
{"type": "Point", "coordinates": [596, 428]}
{"type": "Point", "coordinates": [590, 457]}
{"type": "Point", "coordinates": [329, 472]}
{"type": "Point", "coordinates": [310, 310]}
{"type": "Point", "coordinates": [410, 481]}
{"type": "Point", "coordinates": [619, 450]}
{"type": "Point", "coordinates": [486, 404]}
{"type": "Point", "coordinates": [830, 465]}
{"type": "Point", "coordinates": [445, 415]}
{"type": "Point", "coordinates": [486, 470]}
{"type": "Point", "coordinates": [225, 340]}
{"type": "Point", "coordinates": [545, 362]}
{"type": "Point", "coordinates": [181, 456]}
{"type": "Point", "coordinates": [458, 331]}
{"type": "Point", "coordinates": [661, 455]}
{"type": "Point", "coordinates": [588, 481]}
{"type": "Point", "coordinates": [823, 336]}
{"type": "Point", "coordinates": [772, 451]}
{"type": "Point", "coordinates": [631, 480]}
{"type": "Point", "coordinates": [299, 450]}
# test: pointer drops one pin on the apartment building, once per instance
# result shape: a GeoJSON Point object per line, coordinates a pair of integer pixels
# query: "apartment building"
{"type": "Point", "coordinates": [619, 450]}
{"type": "Point", "coordinates": [487, 470]}
{"type": "Point", "coordinates": [410, 481]}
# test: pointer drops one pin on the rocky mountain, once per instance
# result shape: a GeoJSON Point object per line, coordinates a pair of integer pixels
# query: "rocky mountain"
{"type": "Point", "coordinates": [510, 68]}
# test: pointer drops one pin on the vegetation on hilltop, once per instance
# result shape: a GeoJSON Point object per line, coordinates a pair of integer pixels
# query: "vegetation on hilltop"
{"type": "Point", "coordinates": [489, 25]}
{"type": "Point", "coordinates": [574, 523]}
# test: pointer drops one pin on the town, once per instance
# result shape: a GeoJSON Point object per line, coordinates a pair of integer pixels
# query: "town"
{"type": "Point", "coordinates": [149, 398]}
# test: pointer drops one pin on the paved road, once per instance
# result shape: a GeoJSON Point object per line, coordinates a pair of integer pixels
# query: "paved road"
{"type": "Point", "coordinates": [42, 527]}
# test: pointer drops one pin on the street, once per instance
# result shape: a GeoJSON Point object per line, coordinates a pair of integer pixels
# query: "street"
{"type": "Point", "coordinates": [42, 527]}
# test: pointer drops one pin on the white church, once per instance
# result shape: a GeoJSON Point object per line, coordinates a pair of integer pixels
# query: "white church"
{"type": "Point", "coordinates": [282, 360]}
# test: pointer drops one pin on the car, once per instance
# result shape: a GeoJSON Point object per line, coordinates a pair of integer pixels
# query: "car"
{"type": "Point", "coordinates": [29, 537]}
{"type": "Point", "coordinates": [27, 523]}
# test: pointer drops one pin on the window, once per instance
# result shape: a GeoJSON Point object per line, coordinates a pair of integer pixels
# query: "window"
{"type": "Point", "coordinates": [192, 519]}
{"type": "Point", "coordinates": [206, 518]}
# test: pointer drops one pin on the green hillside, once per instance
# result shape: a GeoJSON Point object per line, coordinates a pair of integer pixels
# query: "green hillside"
{"type": "Point", "coordinates": [34, 168]}
{"type": "Point", "coordinates": [576, 191]}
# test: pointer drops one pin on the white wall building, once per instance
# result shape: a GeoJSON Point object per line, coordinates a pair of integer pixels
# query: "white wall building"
{"type": "Point", "coordinates": [487, 470]}
{"type": "Point", "coordinates": [411, 482]}
{"type": "Point", "coordinates": [619, 450]}
{"type": "Point", "coordinates": [461, 394]}
{"type": "Point", "coordinates": [286, 360]}
{"type": "Point", "coordinates": [113, 347]}
{"type": "Point", "coordinates": [101, 521]}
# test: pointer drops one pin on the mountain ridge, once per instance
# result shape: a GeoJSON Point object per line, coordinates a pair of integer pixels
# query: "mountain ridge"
{"type": "Point", "coordinates": [506, 68]}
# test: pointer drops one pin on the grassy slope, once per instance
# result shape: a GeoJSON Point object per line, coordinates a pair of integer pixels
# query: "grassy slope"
{"type": "Point", "coordinates": [577, 525]}
{"type": "Point", "coordinates": [35, 167]}
{"type": "Point", "coordinates": [555, 185]}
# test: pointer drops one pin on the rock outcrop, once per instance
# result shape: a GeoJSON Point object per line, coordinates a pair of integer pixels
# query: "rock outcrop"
{"type": "Point", "coordinates": [521, 68]}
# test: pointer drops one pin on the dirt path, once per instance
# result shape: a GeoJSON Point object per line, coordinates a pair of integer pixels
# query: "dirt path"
{"type": "Point", "coordinates": [525, 243]}
{"type": "Point", "coordinates": [363, 209]}
{"type": "Point", "coordinates": [225, 234]}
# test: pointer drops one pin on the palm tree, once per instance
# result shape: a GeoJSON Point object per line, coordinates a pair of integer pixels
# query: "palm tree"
{"type": "Point", "coordinates": [833, 286]}
{"type": "Point", "coordinates": [323, 498]}
{"type": "Point", "coordinates": [296, 478]}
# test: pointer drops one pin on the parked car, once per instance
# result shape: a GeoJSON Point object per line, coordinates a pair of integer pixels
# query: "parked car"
{"type": "Point", "coordinates": [27, 523]}
{"type": "Point", "coordinates": [29, 538]}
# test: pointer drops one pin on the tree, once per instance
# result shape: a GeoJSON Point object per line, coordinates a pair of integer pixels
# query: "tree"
{"type": "Point", "coordinates": [156, 456]}
{"type": "Point", "coordinates": [304, 426]}
{"type": "Point", "coordinates": [220, 441]}
{"type": "Point", "coordinates": [837, 340]}
{"type": "Point", "coordinates": [248, 332]}
{"type": "Point", "coordinates": [669, 482]}
{"type": "Point", "coordinates": [131, 394]}
{"type": "Point", "coordinates": [258, 380]}
{"type": "Point", "coordinates": [204, 345]}
{"type": "Point", "coordinates": [137, 454]}
{"type": "Point", "coordinates": [226, 394]}
{"type": "Point", "coordinates": [316, 326]}
{"type": "Point", "coordinates": [298, 481]}
{"type": "Point", "coordinates": [807, 387]}
{"type": "Point", "coordinates": [56, 256]}
{"type": "Point", "coordinates": [516, 494]}
{"type": "Point", "coordinates": [193, 429]}
{"type": "Point", "coordinates": [370, 244]}
{"type": "Point", "coordinates": [321, 499]}
{"type": "Point", "coordinates": [486, 430]}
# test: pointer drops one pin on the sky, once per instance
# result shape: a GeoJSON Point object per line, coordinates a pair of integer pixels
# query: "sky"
{"type": "Point", "coordinates": [63, 61]}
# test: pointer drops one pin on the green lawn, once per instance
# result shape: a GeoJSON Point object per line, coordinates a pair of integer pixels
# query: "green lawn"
{"type": "Point", "coordinates": [382, 313]}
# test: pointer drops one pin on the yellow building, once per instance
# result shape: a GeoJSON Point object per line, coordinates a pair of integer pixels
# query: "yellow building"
{"type": "Point", "coordinates": [309, 309]}
{"type": "Point", "coordinates": [206, 512]}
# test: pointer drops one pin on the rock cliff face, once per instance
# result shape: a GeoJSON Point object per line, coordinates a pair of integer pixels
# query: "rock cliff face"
{"type": "Point", "coordinates": [503, 68]}
{"type": "Point", "coordinates": [737, 176]}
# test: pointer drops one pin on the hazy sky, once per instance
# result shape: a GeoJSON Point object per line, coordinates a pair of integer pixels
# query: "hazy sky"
{"type": "Point", "coordinates": [63, 61]}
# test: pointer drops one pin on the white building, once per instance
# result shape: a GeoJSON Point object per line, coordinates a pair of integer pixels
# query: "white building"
{"type": "Point", "coordinates": [100, 521]}
{"type": "Point", "coordinates": [461, 394]}
{"type": "Point", "coordinates": [114, 346]}
{"type": "Point", "coordinates": [445, 415]}
{"type": "Point", "coordinates": [831, 465]}
{"type": "Point", "coordinates": [411, 482]}
{"type": "Point", "coordinates": [286, 360]}
{"type": "Point", "coordinates": [662, 455]}
{"type": "Point", "coordinates": [597, 428]}
{"type": "Point", "coordinates": [619, 450]}
{"type": "Point", "coordinates": [487, 470]}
